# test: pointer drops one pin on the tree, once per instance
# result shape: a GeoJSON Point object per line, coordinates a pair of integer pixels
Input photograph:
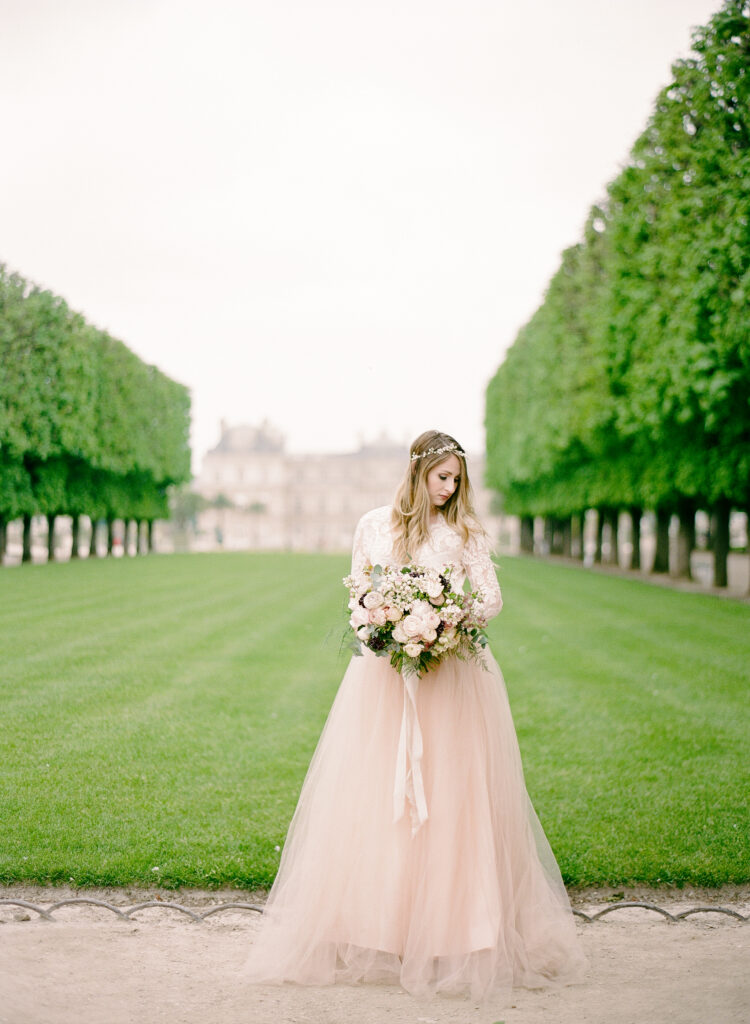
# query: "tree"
{"type": "Point", "coordinates": [629, 388]}
{"type": "Point", "coordinates": [86, 428]}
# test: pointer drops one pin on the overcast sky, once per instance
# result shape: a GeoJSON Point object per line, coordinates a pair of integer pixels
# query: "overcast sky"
{"type": "Point", "coordinates": [331, 215]}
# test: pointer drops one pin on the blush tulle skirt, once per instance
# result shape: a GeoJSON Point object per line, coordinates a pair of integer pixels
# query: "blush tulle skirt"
{"type": "Point", "coordinates": [472, 901]}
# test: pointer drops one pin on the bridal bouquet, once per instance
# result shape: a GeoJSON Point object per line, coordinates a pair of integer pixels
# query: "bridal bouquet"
{"type": "Point", "coordinates": [413, 616]}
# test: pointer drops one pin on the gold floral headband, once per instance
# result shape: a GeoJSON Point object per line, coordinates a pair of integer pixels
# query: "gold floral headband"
{"type": "Point", "coordinates": [439, 451]}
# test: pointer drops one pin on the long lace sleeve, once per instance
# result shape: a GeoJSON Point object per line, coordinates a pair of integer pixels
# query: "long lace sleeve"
{"type": "Point", "coordinates": [481, 573]}
{"type": "Point", "coordinates": [373, 541]}
{"type": "Point", "coordinates": [359, 553]}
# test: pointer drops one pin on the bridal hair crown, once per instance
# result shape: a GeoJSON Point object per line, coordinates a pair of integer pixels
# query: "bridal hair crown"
{"type": "Point", "coordinates": [439, 451]}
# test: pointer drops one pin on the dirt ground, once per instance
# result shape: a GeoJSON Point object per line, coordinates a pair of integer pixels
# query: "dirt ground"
{"type": "Point", "coordinates": [88, 967]}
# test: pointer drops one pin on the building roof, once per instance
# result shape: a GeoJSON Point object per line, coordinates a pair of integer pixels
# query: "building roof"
{"type": "Point", "coordinates": [244, 438]}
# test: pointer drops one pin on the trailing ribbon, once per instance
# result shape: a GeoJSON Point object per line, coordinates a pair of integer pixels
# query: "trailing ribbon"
{"type": "Point", "coordinates": [409, 785]}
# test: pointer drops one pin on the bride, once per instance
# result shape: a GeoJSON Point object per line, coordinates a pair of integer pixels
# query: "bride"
{"type": "Point", "coordinates": [451, 886]}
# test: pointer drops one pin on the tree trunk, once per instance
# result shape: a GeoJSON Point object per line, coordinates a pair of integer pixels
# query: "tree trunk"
{"type": "Point", "coordinates": [3, 538]}
{"type": "Point", "coordinates": [549, 531]}
{"type": "Point", "coordinates": [75, 529]}
{"type": "Point", "coordinates": [722, 509]}
{"type": "Point", "coordinates": [566, 528]}
{"type": "Point", "coordinates": [599, 536]}
{"type": "Point", "coordinates": [613, 521]}
{"type": "Point", "coordinates": [92, 538]}
{"type": "Point", "coordinates": [581, 527]}
{"type": "Point", "coordinates": [527, 535]}
{"type": "Point", "coordinates": [557, 539]}
{"type": "Point", "coordinates": [125, 537]}
{"type": "Point", "coordinates": [661, 555]}
{"type": "Point", "coordinates": [50, 538]}
{"type": "Point", "coordinates": [138, 535]}
{"type": "Point", "coordinates": [110, 534]}
{"type": "Point", "coordinates": [685, 540]}
{"type": "Point", "coordinates": [150, 537]}
{"type": "Point", "coordinates": [636, 512]}
{"type": "Point", "coordinates": [26, 556]}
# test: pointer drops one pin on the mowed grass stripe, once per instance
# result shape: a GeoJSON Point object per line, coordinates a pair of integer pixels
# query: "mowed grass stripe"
{"type": "Point", "coordinates": [631, 715]}
{"type": "Point", "coordinates": [160, 714]}
{"type": "Point", "coordinates": [153, 662]}
{"type": "Point", "coordinates": [144, 601]}
{"type": "Point", "coordinates": [122, 618]}
{"type": "Point", "coordinates": [178, 699]}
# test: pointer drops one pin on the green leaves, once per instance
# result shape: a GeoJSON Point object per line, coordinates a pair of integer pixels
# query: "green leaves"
{"type": "Point", "coordinates": [85, 426]}
{"type": "Point", "coordinates": [635, 370]}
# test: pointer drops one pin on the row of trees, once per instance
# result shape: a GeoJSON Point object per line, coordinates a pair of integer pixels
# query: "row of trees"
{"type": "Point", "coordinates": [86, 428]}
{"type": "Point", "coordinates": [629, 388]}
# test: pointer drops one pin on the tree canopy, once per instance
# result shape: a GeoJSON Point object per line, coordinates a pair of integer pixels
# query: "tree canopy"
{"type": "Point", "coordinates": [630, 384]}
{"type": "Point", "coordinates": [85, 425]}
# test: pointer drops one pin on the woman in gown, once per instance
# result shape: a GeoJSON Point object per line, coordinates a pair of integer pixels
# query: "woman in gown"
{"type": "Point", "coordinates": [414, 855]}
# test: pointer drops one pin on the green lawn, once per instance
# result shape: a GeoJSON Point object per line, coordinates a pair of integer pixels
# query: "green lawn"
{"type": "Point", "coordinates": [158, 715]}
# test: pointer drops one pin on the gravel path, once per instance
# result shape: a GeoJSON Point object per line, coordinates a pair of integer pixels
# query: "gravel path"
{"type": "Point", "coordinates": [88, 967]}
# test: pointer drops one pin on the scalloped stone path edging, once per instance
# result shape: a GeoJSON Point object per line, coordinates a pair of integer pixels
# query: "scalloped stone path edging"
{"type": "Point", "coordinates": [137, 955]}
{"type": "Point", "coordinates": [46, 913]}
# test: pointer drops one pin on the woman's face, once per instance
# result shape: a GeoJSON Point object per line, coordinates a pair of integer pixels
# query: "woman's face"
{"type": "Point", "coordinates": [442, 480]}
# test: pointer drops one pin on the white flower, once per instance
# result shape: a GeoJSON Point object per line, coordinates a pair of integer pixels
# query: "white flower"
{"type": "Point", "coordinates": [447, 642]}
{"type": "Point", "coordinates": [360, 617]}
{"type": "Point", "coordinates": [399, 633]}
{"type": "Point", "coordinates": [415, 605]}
{"type": "Point", "coordinates": [422, 609]}
{"type": "Point", "coordinates": [413, 625]}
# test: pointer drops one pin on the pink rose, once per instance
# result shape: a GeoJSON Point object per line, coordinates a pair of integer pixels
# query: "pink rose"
{"type": "Point", "coordinates": [393, 614]}
{"type": "Point", "coordinates": [373, 600]}
{"type": "Point", "coordinates": [359, 617]}
{"type": "Point", "coordinates": [377, 617]}
{"type": "Point", "coordinates": [413, 625]}
{"type": "Point", "coordinates": [421, 608]}
{"type": "Point", "coordinates": [413, 650]}
{"type": "Point", "coordinates": [399, 633]}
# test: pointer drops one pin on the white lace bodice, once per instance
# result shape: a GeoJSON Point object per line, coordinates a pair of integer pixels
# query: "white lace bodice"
{"type": "Point", "coordinates": [373, 545]}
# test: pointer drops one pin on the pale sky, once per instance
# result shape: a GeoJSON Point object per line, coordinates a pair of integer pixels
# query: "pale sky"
{"type": "Point", "coordinates": [332, 215]}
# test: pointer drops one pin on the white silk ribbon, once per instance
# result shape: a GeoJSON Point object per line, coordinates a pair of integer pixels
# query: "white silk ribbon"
{"type": "Point", "coordinates": [409, 784]}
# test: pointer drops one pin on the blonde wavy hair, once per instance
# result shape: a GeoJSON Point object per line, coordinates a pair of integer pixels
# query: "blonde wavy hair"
{"type": "Point", "coordinates": [412, 508]}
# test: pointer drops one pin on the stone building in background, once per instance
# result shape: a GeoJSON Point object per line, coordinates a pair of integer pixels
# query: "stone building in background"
{"type": "Point", "coordinates": [262, 498]}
